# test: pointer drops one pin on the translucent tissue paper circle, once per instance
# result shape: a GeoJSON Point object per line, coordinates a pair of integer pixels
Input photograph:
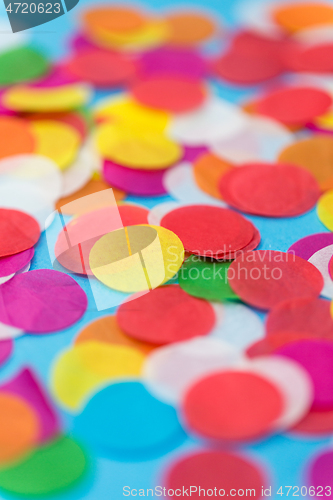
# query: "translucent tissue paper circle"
{"type": "Point", "coordinates": [45, 301]}
{"type": "Point", "coordinates": [117, 258]}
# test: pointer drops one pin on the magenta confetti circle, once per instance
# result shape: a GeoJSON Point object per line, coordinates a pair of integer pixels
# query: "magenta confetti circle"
{"type": "Point", "coordinates": [41, 301]}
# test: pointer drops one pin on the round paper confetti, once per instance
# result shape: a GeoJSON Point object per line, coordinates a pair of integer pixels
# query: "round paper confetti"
{"type": "Point", "coordinates": [125, 422]}
{"type": "Point", "coordinates": [93, 186]}
{"type": "Point", "coordinates": [237, 324]}
{"type": "Point", "coordinates": [113, 18]}
{"type": "Point", "coordinates": [321, 260]}
{"type": "Point", "coordinates": [270, 344]}
{"type": "Point", "coordinates": [215, 120]}
{"type": "Point", "coordinates": [110, 361]}
{"type": "Point", "coordinates": [313, 59]}
{"type": "Point", "coordinates": [208, 170]}
{"type": "Point", "coordinates": [319, 474]}
{"type": "Point", "coordinates": [295, 105]}
{"type": "Point", "coordinates": [57, 141]}
{"type": "Point", "coordinates": [265, 278]}
{"type": "Point", "coordinates": [75, 241]}
{"type": "Point", "coordinates": [166, 315]}
{"type": "Point", "coordinates": [206, 279]}
{"type": "Point", "coordinates": [45, 301]}
{"type": "Point", "coordinates": [26, 386]}
{"type": "Point", "coordinates": [246, 68]}
{"type": "Point", "coordinates": [209, 231]}
{"type": "Point", "coordinates": [34, 99]}
{"type": "Point", "coordinates": [179, 181]}
{"type": "Point", "coordinates": [316, 357]}
{"type": "Point", "coordinates": [176, 95]}
{"type": "Point", "coordinates": [300, 16]}
{"type": "Point", "coordinates": [20, 65]}
{"type": "Point", "coordinates": [103, 69]}
{"type": "Point", "coordinates": [271, 190]}
{"type": "Point", "coordinates": [80, 171]}
{"type": "Point", "coordinates": [303, 316]}
{"type": "Point", "coordinates": [20, 232]}
{"type": "Point", "coordinates": [189, 28]}
{"type": "Point", "coordinates": [298, 395]}
{"type": "Point", "coordinates": [10, 129]}
{"type": "Point", "coordinates": [18, 430]}
{"type": "Point", "coordinates": [18, 195]}
{"type": "Point", "coordinates": [153, 33]}
{"type": "Point", "coordinates": [73, 384]}
{"type": "Point", "coordinates": [124, 110]}
{"type": "Point", "coordinates": [215, 469]}
{"type": "Point", "coordinates": [134, 181]}
{"type": "Point", "coordinates": [170, 370]}
{"type": "Point", "coordinates": [178, 62]}
{"type": "Point", "coordinates": [14, 263]}
{"type": "Point", "coordinates": [107, 330]}
{"type": "Point", "coordinates": [261, 137]}
{"type": "Point", "coordinates": [246, 408]}
{"type": "Point", "coordinates": [315, 422]}
{"type": "Point", "coordinates": [78, 119]}
{"type": "Point", "coordinates": [315, 154]}
{"type": "Point", "coordinates": [33, 169]}
{"type": "Point", "coordinates": [8, 332]}
{"type": "Point", "coordinates": [6, 348]}
{"type": "Point", "coordinates": [49, 469]}
{"type": "Point", "coordinates": [325, 209]}
{"type": "Point", "coordinates": [306, 247]}
{"type": "Point", "coordinates": [161, 250]}
{"type": "Point", "coordinates": [137, 149]}
{"type": "Point", "coordinates": [132, 215]}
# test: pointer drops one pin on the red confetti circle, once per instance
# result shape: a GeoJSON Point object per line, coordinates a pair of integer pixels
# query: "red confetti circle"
{"type": "Point", "coordinates": [247, 68]}
{"type": "Point", "coordinates": [270, 190]}
{"type": "Point", "coordinates": [165, 315]}
{"type": "Point", "coordinates": [315, 422]}
{"type": "Point", "coordinates": [314, 59]}
{"type": "Point", "coordinates": [171, 94]}
{"type": "Point", "coordinates": [265, 278]}
{"type": "Point", "coordinates": [215, 470]}
{"type": "Point", "coordinates": [103, 69]}
{"type": "Point", "coordinates": [19, 231]}
{"type": "Point", "coordinates": [295, 105]}
{"type": "Point", "coordinates": [303, 316]}
{"type": "Point", "coordinates": [270, 344]}
{"type": "Point", "coordinates": [131, 215]}
{"type": "Point", "coordinates": [209, 231]}
{"type": "Point", "coordinates": [232, 406]}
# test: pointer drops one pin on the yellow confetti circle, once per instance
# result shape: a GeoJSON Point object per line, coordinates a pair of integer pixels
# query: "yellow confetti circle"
{"type": "Point", "coordinates": [30, 99]}
{"type": "Point", "coordinates": [126, 111]}
{"type": "Point", "coordinates": [325, 121]}
{"type": "Point", "coordinates": [151, 34]}
{"type": "Point", "coordinates": [136, 258]}
{"type": "Point", "coordinates": [85, 368]}
{"type": "Point", "coordinates": [134, 148]}
{"type": "Point", "coordinates": [57, 141]}
{"type": "Point", "coordinates": [325, 209]}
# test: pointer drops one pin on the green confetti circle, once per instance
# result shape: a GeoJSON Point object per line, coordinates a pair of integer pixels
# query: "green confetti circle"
{"type": "Point", "coordinates": [21, 65]}
{"type": "Point", "coordinates": [206, 279]}
{"type": "Point", "coordinates": [48, 469]}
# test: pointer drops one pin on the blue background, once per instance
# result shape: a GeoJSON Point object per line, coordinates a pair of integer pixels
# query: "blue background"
{"type": "Point", "coordinates": [284, 457]}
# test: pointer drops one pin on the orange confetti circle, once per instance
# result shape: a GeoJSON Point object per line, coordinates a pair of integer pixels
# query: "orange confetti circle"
{"type": "Point", "coordinates": [19, 428]}
{"type": "Point", "coordinates": [10, 130]}
{"type": "Point", "coordinates": [188, 28]}
{"type": "Point", "coordinates": [115, 18]}
{"type": "Point", "coordinates": [300, 16]}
